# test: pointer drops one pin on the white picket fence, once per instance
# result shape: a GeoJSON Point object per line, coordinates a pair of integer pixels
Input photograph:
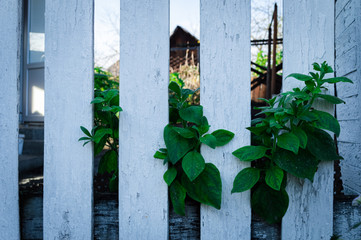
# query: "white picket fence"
{"type": "Point", "coordinates": [144, 60]}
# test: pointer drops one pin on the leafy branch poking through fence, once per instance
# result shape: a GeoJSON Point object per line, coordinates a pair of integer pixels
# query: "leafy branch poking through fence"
{"type": "Point", "coordinates": [290, 138]}
{"type": "Point", "coordinates": [187, 173]}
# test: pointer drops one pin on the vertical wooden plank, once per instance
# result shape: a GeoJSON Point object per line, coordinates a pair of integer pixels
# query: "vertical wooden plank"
{"type": "Point", "coordinates": [144, 68]}
{"type": "Point", "coordinates": [10, 42]}
{"type": "Point", "coordinates": [68, 166]}
{"type": "Point", "coordinates": [225, 95]}
{"type": "Point", "coordinates": [308, 38]}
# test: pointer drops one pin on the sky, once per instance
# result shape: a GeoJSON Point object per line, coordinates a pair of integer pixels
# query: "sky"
{"type": "Point", "coordinates": [185, 13]}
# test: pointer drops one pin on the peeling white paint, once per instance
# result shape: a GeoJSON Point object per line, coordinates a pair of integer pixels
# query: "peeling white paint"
{"type": "Point", "coordinates": [308, 38]}
{"type": "Point", "coordinates": [68, 166]}
{"type": "Point", "coordinates": [225, 95]}
{"type": "Point", "coordinates": [10, 29]}
{"type": "Point", "coordinates": [144, 69]}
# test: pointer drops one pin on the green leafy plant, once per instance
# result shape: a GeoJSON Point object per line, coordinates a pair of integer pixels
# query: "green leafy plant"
{"type": "Point", "coordinates": [105, 132]}
{"type": "Point", "coordinates": [290, 138]}
{"type": "Point", "coordinates": [188, 173]}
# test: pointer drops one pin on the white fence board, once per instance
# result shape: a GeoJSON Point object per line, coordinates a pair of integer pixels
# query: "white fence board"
{"type": "Point", "coordinates": [10, 29]}
{"type": "Point", "coordinates": [309, 37]}
{"type": "Point", "coordinates": [225, 95]}
{"type": "Point", "coordinates": [144, 68]}
{"type": "Point", "coordinates": [68, 166]}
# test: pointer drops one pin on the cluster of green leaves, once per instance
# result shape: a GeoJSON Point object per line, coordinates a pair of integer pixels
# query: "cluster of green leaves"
{"type": "Point", "coordinates": [290, 138]}
{"type": "Point", "coordinates": [262, 59]}
{"type": "Point", "coordinates": [188, 173]}
{"type": "Point", "coordinates": [106, 125]}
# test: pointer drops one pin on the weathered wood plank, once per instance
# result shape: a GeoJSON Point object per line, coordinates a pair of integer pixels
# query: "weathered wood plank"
{"type": "Point", "coordinates": [225, 95]}
{"type": "Point", "coordinates": [68, 166]}
{"type": "Point", "coordinates": [10, 17]}
{"type": "Point", "coordinates": [308, 38]}
{"type": "Point", "coordinates": [144, 69]}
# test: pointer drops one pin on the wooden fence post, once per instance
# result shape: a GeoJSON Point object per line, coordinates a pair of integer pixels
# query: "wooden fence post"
{"type": "Point", "coordinates": [144, 70]}
{"type": "Point", "coordinates": [225, 95]}
{"type": "Point", "coordinates": [68, 166]}
{"type": "Point", "coordinates": [309, 37]}
{"type": "Point", "coordinates": [10, 42]}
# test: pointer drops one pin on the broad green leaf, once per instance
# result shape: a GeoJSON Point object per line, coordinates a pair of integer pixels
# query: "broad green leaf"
{"type": "Point", "coordinates": [269, 204]}
{"type": "Point", "coordinates": [308, 116]}
{"type": "Point", "coordinates": [98, 147]}
{"type": "Point", "coordinates": [250, 153]}
{"type": "Point", "coordinates": [85, 131]}
{"type": "Point", "coordinates": [204, 127]}
{"type": "Point", "coordinates": [257, 130]}
{"type": "Point", "coordinates": [207, 188]}
{"type": "Point", "coordinates": [177, 145]}
{"type": "Point", "coordinates": [185, 132]}
{"type": "Point", "coordinates": [302, 137]}
{"type": "Point", "coordinates": [222, 137]}
{"type": "Point", "coordinates": [321, 144]}
{"type": "Point", "coordinates": [170, 175]}
{"type": "Point", "coordinates": [300, 77]}
{"type": "Point", "coordinates": [193, 164]}
{"type": "Point", "coordinates": [177, 196]}
{"type": "Point", "coordinates": [327, 121]}
{"type": "Point", "coordinates": [302, 165]}
{"type": "Point", "coordinates": [100, 133]}
{"type": "Point", "coordinates": [192, 114]}
{"type": "Point", "coordinates": [160, 155]}
{"type": "Point", "coordinates": [97, 100]}
{"type": "Point", "coordinates": [330, 98]}
{"type": "Point", "coordinates": [175, 88]}
{"type": "Point", "coordinates": [288, 141]}
{"type": "Point", "coordinates": [209, 140]}
{"type": "Point", "coordinates": [274, 177]}
{"type": "Point", "coordinates": [316, 66]}
{"type": "Point", "coordinates": [116, 109]}
{"type": "Point", "coordinates": [106, 109]}
{"type": "Point", "coordinates": [245, 179]}
{"type": "Point", "coordinates": [337, 79]}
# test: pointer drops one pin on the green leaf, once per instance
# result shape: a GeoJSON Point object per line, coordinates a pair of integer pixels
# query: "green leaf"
{"type": "Point", "coordinates": [160, 155]}
{"type": "Point", "coordinates": [300, 77]}
{"type": "Point", "coordinates": [85, 131]}
{"type": "Point", "coordinates": [170, 175]}
{"type": "Point", "coordinates": [209, 140]}
{"type": "Point", "coordinates": [100, 133]}
{"type": "Point", "coordinates": [108, 162]}
{"type": "Point", "coordinates": [269, 204]}
{"type": "Point", "coordinates": [321, 144]}
{"type": "Point", "coordinates": [288, 141]}
{"type": "Point", "coordinates": [274, 177]}
{"type": "Point", "coordinates": [257, 130]}
{"type": "Point", "coordinates": [246, 179]}
{"type": "Point", "coordinates": [316, 66]}
{"type": "Point", "coordinates": [330, 98]}
{"type": "Point", "coordinates": [337, 79]}
{"type": "Point", "coordinates": [177, 196]}
{"type": "Point", "coordinates": [84, 138]}
{"type": "Point", "coordinates": [302, 165]}
{"type": "Point", "coordinates": [193, 164]}
{"type": "Point", "coordinates": [185, 132]}
{"type": "Point", "coordinates": [302, 137]}
{"type": "Point", "coordinates": [98, 147]}
{"type": "Point", "coordinates": [204, 127]}
{"type": "Point", "coordinates": [97, 100]}
{"type": "Point", "coordinates": [327, 121]}
{"type": "Point", "coordinates": [250, 153]}
{"type": "Point", "coordinates": [192, 114]}
{"type": "Point", "coordinates": [175, 88]}
{"type": "Point", "coordinates": [308, 116]}
{"type": "Point", "coordinates": [177, 145]}
{"type": "Point", "coordinates": [222, 137]}
{"type": "Point", "coordinates": [207, 188]}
